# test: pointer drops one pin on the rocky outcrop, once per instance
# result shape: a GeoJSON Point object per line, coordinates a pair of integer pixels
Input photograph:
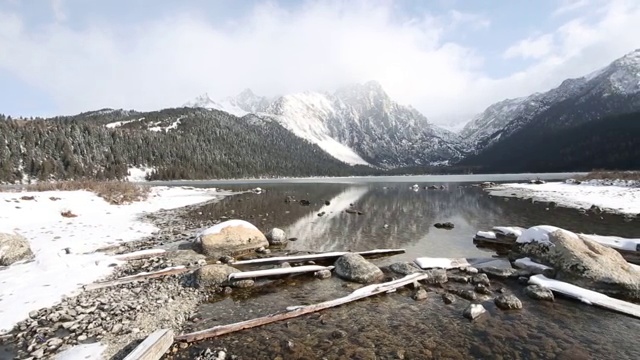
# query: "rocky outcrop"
{"type": "Point", "coordinates": [354, 267]}
{"type": "Point", "coordinates": [230, 238]}
{"type": "Point", "coordinates": [14, 247]}
{"type": "Point", "coordinates": [213, 275]}
{"type": "Point", "coordinates": [276, 237]}
{"type": "Point", "coordinates": [582, 262]}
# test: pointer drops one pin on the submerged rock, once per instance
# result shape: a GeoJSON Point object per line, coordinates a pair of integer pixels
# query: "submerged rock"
{"type": "Point", "coordinates": [322, 274]}
{"type": "Point", "coordinates": [581, 261]}
{"type": "Point", "coordinates": [354, 267]}
{"type": "Point", "coordinates": [276, 237]}
{"type": "Point", "coordinates": [480, 279]}
{"type": "Point", "coordinates": [230, 238]}
{"type": "Point", "coordinates": [473, 311]}
{"type": "Point", "coordinates": [508, 302]}
{"type": "Point", "coordinates": [436, 276]}
{"type": "Point", "coordinates": [446, 225]}
{"type": "Point", "coordinates": [14, 247]}
{"type": "Point", "coordinates": [448, 298]}
{"type": "Point", "coordinates": [404, 268]}
{"type": "Point", "coordinates": [213, 275]}
{"type": "Point", "coordinates": [420, 294]}
{"type": "Point", "coordinates": [538, 292]}
{"type": "Point", "coordinates": [481, 289]}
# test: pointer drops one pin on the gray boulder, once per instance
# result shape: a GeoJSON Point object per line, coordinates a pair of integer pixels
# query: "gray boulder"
{"type": "Point", "coordinates": [276, 237]}
{"type": "Point", "coordinates": [436, 276]}
{"type": "Point", "coordinates": [404, 268]}
{"type": "Point", "coordinates": [585, 263]}
{"type": "Point", "coordinates": [508, 302]}
{"type": "Point", "coordinates": [498, 272]}
{"type": "Point", "coordinates": [14, 247]}
{"type": "Point", "coordinates": [538, 292]}
{"type": "Point", "coordinates": [473, 311]}
{"type": "Point", "coordinates": [354, 267]}
{"type": "Point", "coordinates": [213, 275]}
{"type": "Point", "coordinates": [231, 238]}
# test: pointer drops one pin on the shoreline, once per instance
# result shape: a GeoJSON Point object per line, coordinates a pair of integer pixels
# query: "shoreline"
{"type": "Point", "coordinates": [71, 252]}
{"type": "Point", "coordinates": [593, 196]}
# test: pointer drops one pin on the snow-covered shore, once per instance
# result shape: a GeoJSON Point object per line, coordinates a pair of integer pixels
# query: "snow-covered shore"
{"type": "Point", "coordinates": [621, 198]}
{"type": "Point", "coordinates": [64, 247]}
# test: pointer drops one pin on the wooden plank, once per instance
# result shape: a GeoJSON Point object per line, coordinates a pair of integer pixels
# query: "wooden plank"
{"type": "Point", "coordinates": [296, 311]}
{"type": "Point", "coordinates": [153, 347]}
{"type": "Point", "coordinates": [321, 256]}
{"type": "Point", "coordinates": [142, 254]}
{"type": "Point", "coordinates": [276, 272]}
{"type": "Point", "coordinates": [587, 296]}
{"type": "Point", "coordinates": [137, 277]}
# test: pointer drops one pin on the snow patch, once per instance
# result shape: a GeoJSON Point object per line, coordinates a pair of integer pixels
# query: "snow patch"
{"type": "Point", "coordinates": [216, 229]}
{"type": "Point", "coordinates": [539, 234]}
{"type": "Point", "coordinates": [527, 263]}
{"type": "Point", "coordinates": [120, 123]}
{"type": "Point", "coordinates": [443, 263]}
{"type": "Point", "coordinates": [486, 234]}
{"type": "Point", "coordinates": [91, 351]}
{"type": "Point", "coordinates": [508, 230]}
{"type": "Point", "coordinates": [139, 174]}
{"type": "Point", "coordinates": [64, 248]}
{"type": "Point", "coordinates": [615, 242]}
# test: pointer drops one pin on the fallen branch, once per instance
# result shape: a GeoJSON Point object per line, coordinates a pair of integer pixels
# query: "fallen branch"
{"type": "Point", "coordinates": [137, 277]}
{"type": "Point", "coordinates": [322, 256]}
{"type": "Point", "coordinates": [295, 311]}
{"type": "Point", "coordinates": [587, 296]}
{"type": "Point", "coordinates": [142, 254]}
{"type": "Point", "coordinates": [153, 347]}
{"type": "Point", "coordinates": [275, 272]}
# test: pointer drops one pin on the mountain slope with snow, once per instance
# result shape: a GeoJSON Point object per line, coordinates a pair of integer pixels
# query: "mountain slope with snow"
{"type": "Point", "coordinates": [358, 124]}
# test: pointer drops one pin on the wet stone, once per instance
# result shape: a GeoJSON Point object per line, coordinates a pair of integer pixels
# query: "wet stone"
{"type": "Point", "coordinates": [508, 302]}
{"type": "Point", "coordinates": [448, 298]}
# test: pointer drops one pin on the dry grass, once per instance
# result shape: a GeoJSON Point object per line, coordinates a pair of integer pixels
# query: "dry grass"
{"type": "Point", "coordinates": [114, 192]}
{"type": "Point", "coordinates": [611, 175]}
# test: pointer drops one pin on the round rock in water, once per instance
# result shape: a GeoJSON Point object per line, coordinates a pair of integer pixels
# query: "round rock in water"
{"type": "Point", "coordinates": [231, 237]}
{"type": "Point", "coordinates": [448, 298]}
{"type": "Point", "coordinates": [213, 275]}
{"type": "Point", "coordinates": [353, 267]}
{"type": "Point", "coordinates": [276, 237]}
{"type": "Point", "coordinates": [473, 311]}
{"type": "Point", "coordinates": [508, 302]}
{"type": "Point", "coordinates": [421, 294]}
{"type": "Point", "coordinates": [322, 274]}
{"type": "Point", "coordinates": [538, 292]}
{"type": "Point", "coordinates": [404, 268]}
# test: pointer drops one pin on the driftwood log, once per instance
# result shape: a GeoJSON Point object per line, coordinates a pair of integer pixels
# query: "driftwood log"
{"type": "Point", "coordinates": [153, 347]}
{"type": "Point", "coordinates": [137, 277]}
{"type": "Point", "coordinates": [276, 272]}
{"type": "Point", "coordinates": [296, 311]}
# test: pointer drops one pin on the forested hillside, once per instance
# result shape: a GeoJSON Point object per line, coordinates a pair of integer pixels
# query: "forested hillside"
{"type": "Point", "coordinates": [180, 143]}
{"type": "Point", "coordinates": [609, 143]}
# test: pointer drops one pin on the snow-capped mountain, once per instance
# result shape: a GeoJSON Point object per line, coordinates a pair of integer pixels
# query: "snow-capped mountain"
{"type": "Point", "coordinates": [611, 90]}
{"type": "Point", "coordinates": [357, 124]}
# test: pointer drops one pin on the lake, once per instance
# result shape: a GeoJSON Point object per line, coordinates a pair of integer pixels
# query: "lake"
{"type": "Point", "coordinates": [394, 326]}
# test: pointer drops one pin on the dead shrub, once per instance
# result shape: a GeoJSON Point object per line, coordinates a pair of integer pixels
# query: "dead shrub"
{"type": "Point", "coordinates": [68, 214]}
{"type": "Point", "coordinates": [114, 192]}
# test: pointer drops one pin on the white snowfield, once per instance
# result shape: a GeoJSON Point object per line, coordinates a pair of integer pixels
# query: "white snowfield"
{"type": "Point", "coordinates": [613, 198]}
{"type": "Point", "coordinates": [54, 273]}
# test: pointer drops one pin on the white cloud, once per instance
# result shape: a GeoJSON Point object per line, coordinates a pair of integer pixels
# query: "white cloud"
{"type": "Point", "coordinates": [531, 48]}
{"type": "Point", "coordinates": [320, 46]}
{"type": "Point", "coordinates": [57, 6]}
{"type": "Point", "coordinates": [568, 6]}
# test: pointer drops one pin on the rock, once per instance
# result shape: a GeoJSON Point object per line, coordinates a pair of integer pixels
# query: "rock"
{"type": "Point", "coordinates": [583, 262]}
{"type": "Point", "coordinates": [508, 302]}
{"type": "Point", "coordinates": [230, 238]}
{"type": "Point", "coordinates": [446, 225]}
{"type": "Point", "coordinates": [538, 292]}
{"type": "Point", "coordinates": [116, 328]}
{"type": "Point", "coordinates": [284, 265]}
{"type": "Point", "coordinates": [33, 314]}
{"type": "Point", "coordinates": [338, 334]}
{"type": "Point", "coordinates": [304, 202]}
{"type": "Point", "coordinates": [404, 268]}
{"type": "Point", "coordinates": [184, 257]}
{"type": "Point", "coordinates": [465, 294]}
{"type": "Point", "coordinates": [38, 354]}
{"type": "Point", "coordinates": [448, 299]}
{"type": "Point", "coordinates": [226, 259]}
{"type": "Point", "coordinates": [354, 267]}
{"type": "Point", "coordinates": [82, 337]}
{"type": "Point", "coordinates": [436, 276]}
{"type": "Point", "coordinates": [480, 279]}
{"type": "Point", "coordinates": [523, 280]}
{"type": "Point", "coordinates": [14, 247]}
{"type": "Point", "coordinates": [481, 289]}
{"type": "Point", "coordinates": [459, 278]}
{"type": "Point", "coordinates": [244, 283]}
{"type": "Point", "coordinates": [276, 237]}
{"type": "Point", "coordinates": [420, 294]}
{"type": "Point", "coordinates": [473, 311]}
{"type": "Point", "coordinates": [289, 199]}
{"type": "Point", "coordinates": [213, 275]}
{"type": "Point", "coordinates": [322, 274]}
{"type": "Point", "coordinates": [327, 202]}
{"type": "Point", "coordinates": [470, 270]}
{"type": "Point", "coordinates": [498, 272]}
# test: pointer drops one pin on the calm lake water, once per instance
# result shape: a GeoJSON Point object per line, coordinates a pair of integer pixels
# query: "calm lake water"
{"type": "Point", "coordinates": [393, 326]}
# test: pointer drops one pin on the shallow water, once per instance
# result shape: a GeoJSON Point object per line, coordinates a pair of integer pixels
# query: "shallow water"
{"type": "Point", "coordinates": [394, 326]}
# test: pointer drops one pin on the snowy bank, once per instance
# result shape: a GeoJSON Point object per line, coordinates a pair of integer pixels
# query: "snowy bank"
{"type": "Point", "coordinates": [610, 198]}
{"type": "Point", "coordinates": [64, 246]}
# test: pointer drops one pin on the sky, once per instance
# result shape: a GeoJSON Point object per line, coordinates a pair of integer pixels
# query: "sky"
{"type": "Point", "coordinates": [450, 59]}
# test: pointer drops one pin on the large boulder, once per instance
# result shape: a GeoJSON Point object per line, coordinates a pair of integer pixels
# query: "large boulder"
{"type": "Point", "coordinates": [354, 267]}
{"type": "Point", "coordinates": [213, 275]}
{"type": "Point", "coordinates": [230, 238]}
{"type": "Point", "coordinates": [581, 261]}
{"type": "Point", "coordinates": [13, 247]}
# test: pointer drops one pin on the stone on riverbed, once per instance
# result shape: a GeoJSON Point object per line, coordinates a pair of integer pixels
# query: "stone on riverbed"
{"type": "Point", "coordinates": [508, 302]}
{"type": "Point", "coordinates": [13, 247]}
{"type": "Point", "coordinates": [580, 261]}
{"type": "Point", "coordinates": [436, 276]}
{"type": "Point", "coordinates": [538, 292]}
{"type": "Point", "coordinates": [420, 294]}
{"type": "Point", "coordinates": [404, 268]}
{"type": "Point", "coordinates": [322, 274]}
{"type": "Point", "coordinates": [498, 272]}
{"type": "Point", "coordinates": [473, 311]}
{"type": "Point", "coordinates": [213, 275]}
{"type": "Point", "coordinates": [480, 279]}
{"type": "Point", "coordinates": [276, 237]}
{"type": "Point", "coordinates": [354, 267]}
{"type": "Point", "coordinates": [448, 299]}
{"type": "Point", "coordinates": [230, 238]}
